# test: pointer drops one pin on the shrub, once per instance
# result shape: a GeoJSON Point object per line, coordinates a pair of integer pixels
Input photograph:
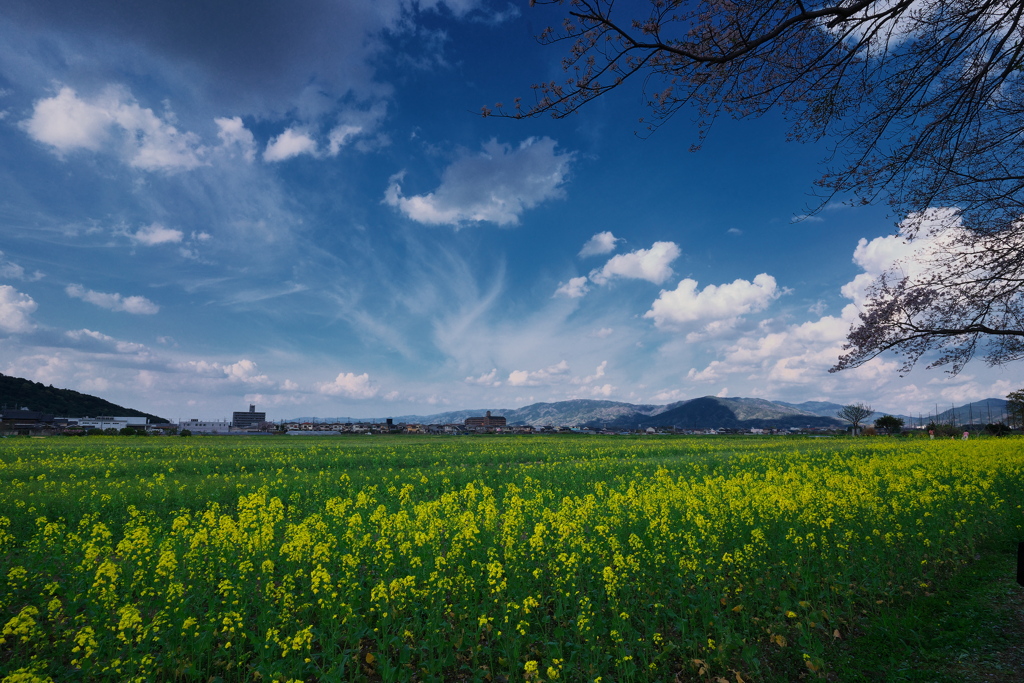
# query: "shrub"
{"type": "Point", "coordinates": [943, 429]}
{"type": "Point", "coordinates": [997, 429]}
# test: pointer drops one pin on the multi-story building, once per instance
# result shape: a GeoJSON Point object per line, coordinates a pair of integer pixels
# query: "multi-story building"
{"type": "Point", "coordinates": [486, 421]}
{"type": "Point", "coordinates": [240, 420]}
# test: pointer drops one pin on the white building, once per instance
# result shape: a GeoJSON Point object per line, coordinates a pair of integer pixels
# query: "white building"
{"type": "Point", "coordinates": [197, 426]}
{"type": "Point", "coordinates": [107, 422]}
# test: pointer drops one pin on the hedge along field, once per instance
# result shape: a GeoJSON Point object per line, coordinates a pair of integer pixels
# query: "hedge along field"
{"type": "Point", "coordinates": [490, 559]}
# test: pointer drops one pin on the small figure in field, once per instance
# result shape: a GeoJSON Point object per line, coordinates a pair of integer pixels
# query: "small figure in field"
{"type": "Point", "coordinates": [965, 436]}
{"type": "Point", "coordinates": [931, 433]}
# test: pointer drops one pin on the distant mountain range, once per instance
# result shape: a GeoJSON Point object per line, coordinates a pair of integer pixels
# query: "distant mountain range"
{"type": "Point", "coordinates": [707, 412]}
{"type": "Point", "coordinates": [989, 410]}
{"type": "Point", "coordinates": [16, 392]}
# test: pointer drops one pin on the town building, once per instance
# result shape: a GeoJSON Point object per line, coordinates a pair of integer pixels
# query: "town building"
{"type": "Point", "coordinates": [485, 422]}
{"type": "Point", "coordinates": [27, 422]}
{"type": "Point", "coordinates": [197, 426]}
{"type": "Point", "coordinates": [240, 420]}
{"type": "Point", "coordinates": [112, 422]}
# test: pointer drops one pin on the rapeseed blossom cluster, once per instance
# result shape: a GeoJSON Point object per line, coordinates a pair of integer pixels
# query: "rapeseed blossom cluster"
{"type": "Point", "coordinates": [545, 559]}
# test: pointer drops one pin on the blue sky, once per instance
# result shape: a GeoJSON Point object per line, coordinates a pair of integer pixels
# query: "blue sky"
{"type": "Point", "coordinates": [298, 205]}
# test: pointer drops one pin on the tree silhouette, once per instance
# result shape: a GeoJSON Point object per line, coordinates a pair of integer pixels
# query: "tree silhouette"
{"type": "Point", "coordinates": [855, 413]}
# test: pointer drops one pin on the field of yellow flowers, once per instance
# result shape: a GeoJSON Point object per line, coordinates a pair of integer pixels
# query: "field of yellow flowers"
{"type": "Point", "coordinates": [478, 559]}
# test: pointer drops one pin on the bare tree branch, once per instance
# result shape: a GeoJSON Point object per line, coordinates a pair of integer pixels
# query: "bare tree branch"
{"type": "Point", "coordinates": [922, 100]}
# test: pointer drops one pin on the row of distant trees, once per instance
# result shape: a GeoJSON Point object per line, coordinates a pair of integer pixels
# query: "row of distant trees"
{"type": "Point", "coordinates": [857, 413]}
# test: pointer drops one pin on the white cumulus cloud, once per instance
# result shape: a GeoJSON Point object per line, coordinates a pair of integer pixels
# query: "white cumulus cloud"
{"type": "Point", "coordinates": [9, 270]}
{"type": "Point", "coordinates": [15, 310]}
{"type": "Point", "coordinates": [152, 235]}
{"type": "Point", "coordinates": [801, 354]}
{"type": "Point", "coordinates": [715, 302]}
{"type": "Point", "coordinates": [707, 374]}
{"type": "Point", "coordinates": [244, 371]}
{"type": "Point", "coordinates": [495, 186]}
{"type": "Point", "coordinates": [574, 288]}
{"type": "Point", "coordinates": [526, 378]}
{"type": "Point", "coordinates": [601, 243]}
{"type": "Point", "coordinates": [105, 340]}
{"type": "Point", "coordinates": [353, 124]}
{"type": "Point", "coordinates": [139, 305]}
{"type": "Point", "coordinates": [939, 233]}
{"type": "Point", "coordinates": [488, 379]}
{"type": "Point", "coordinates": [598, 374]}
{"type": "Point", "coordinates": [653, 265]}
{"type": "Point", "coordinates": [67, 123]}
{"type": "Point", "coordinates": [350, 385]}
{"type": "Point", "coordinates": [113, 120]}
{"type": "Point", "coordinates": [235, 137]}
{"type": "Point", "coordinates": [288, 144]}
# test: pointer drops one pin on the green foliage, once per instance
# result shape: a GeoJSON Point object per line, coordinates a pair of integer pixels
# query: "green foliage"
{"type": "Point", "coordinates": [943, 430]}
{"type": "Point", "coordinates": [1015, 407]}
{"type": "Point", "coordinates": [890, 424]}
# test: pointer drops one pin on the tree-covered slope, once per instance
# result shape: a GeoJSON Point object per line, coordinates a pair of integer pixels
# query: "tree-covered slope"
{"type": "Point", "coordinates": [16, 392]}
{"type": "Point", "coordinates": [712, 412]}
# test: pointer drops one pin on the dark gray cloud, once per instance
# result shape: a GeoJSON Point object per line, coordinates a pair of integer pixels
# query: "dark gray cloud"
{"type": "Point", "coordinates": [262, 57]}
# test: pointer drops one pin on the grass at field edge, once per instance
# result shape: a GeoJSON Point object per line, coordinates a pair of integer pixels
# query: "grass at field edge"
{"type": "Point", "coordinates": [970, 630]}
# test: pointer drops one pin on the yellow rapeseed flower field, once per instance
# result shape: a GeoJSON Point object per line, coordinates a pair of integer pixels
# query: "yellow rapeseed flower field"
{"type": "Point", "coordinates": [476, 559]}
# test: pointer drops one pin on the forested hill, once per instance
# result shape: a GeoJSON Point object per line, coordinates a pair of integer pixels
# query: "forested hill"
{"type": "Point", "coordinates": [16, 392]}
